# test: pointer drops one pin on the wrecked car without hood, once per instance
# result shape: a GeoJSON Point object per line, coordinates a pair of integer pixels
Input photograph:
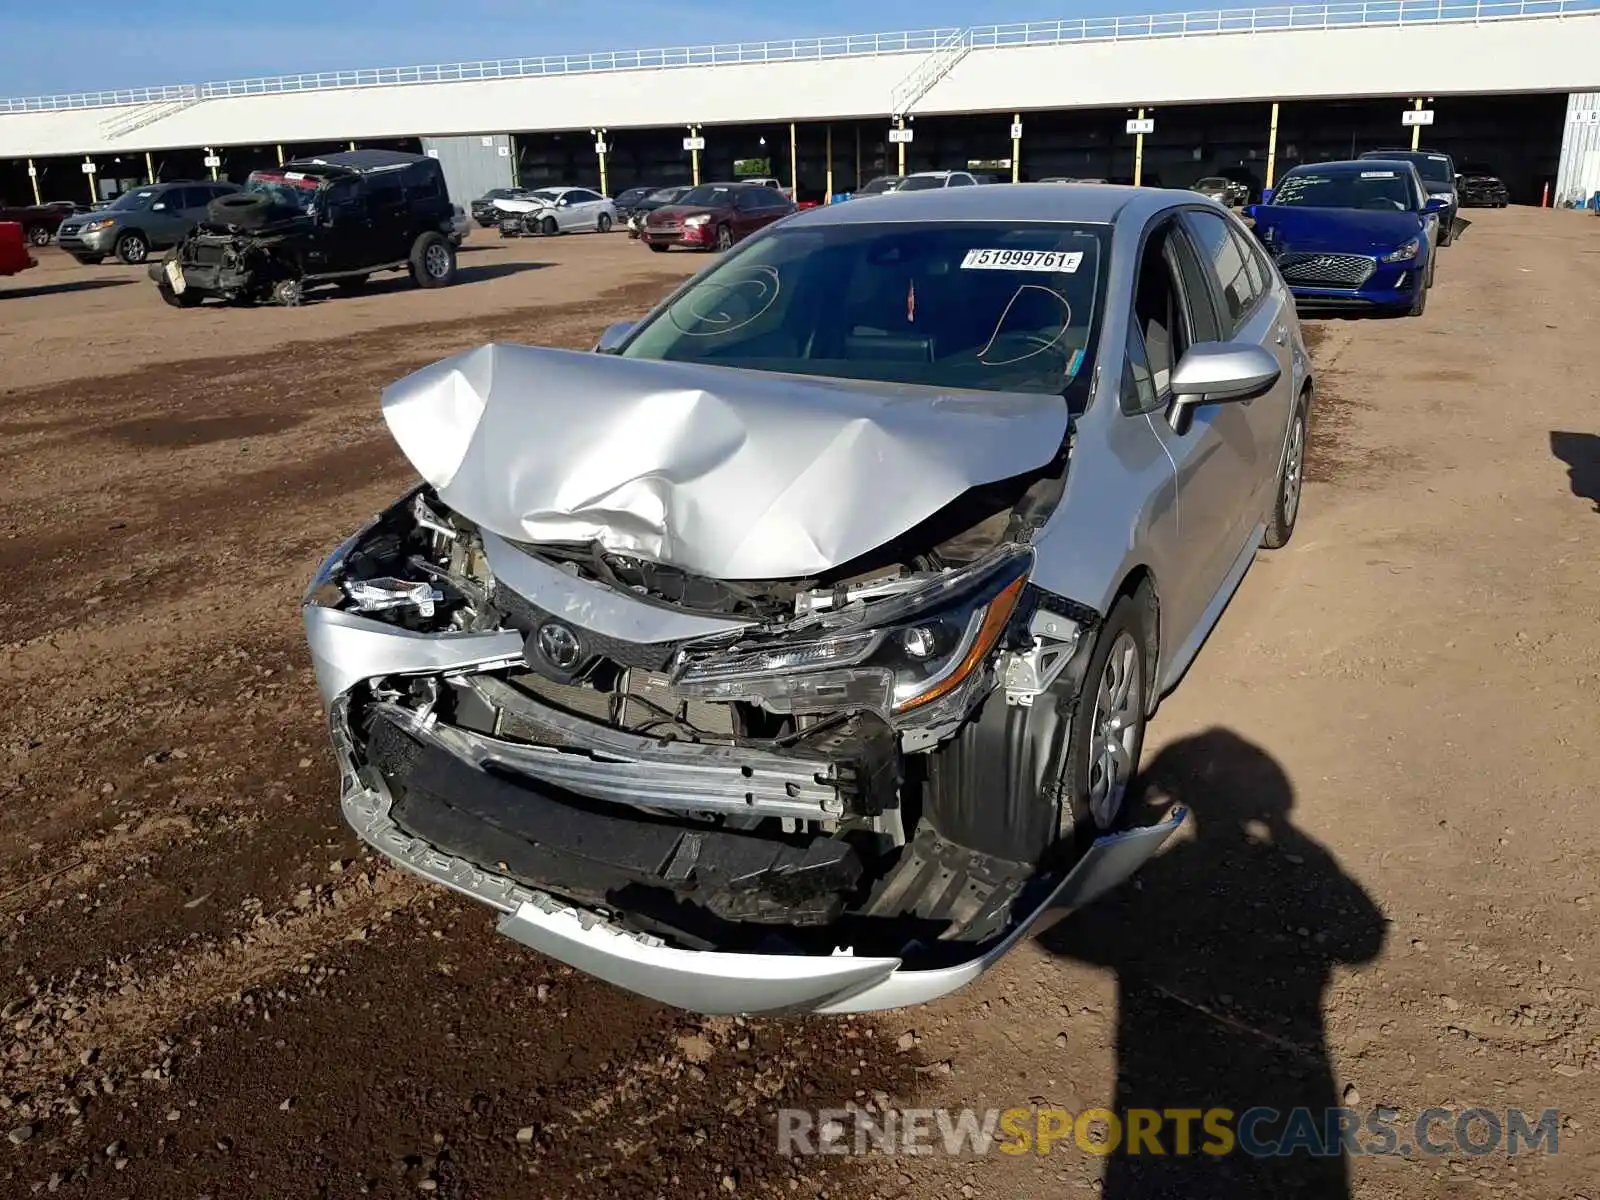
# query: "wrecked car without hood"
{"type": "Point", "coordinates": [794, 650]}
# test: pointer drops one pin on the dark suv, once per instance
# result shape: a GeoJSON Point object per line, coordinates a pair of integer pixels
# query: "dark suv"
{"type": "Point", "coordinates": [335, 219]}
{"type": "Point", "coordinates": [140, 220]}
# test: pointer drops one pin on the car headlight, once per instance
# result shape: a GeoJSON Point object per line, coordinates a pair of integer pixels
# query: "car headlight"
{"type": "Point", "coordinates": [1402, 253]}
{"type": "Point", "coordinates": [896, 655]}
{"type": "Point", "coordinates": [102, 223]}
{"type": "Point", "coordinates": [1440, 196]}
{"type": "Point", "coordinates": [696, 221]}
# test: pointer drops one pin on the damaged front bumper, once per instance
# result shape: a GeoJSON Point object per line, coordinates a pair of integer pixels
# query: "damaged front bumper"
{"type": "Point", "coordinates": [711, 981]}
{"type": "Point", "coordinates": [706, 808]}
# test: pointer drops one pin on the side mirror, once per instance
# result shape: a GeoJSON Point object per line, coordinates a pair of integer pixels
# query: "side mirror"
{"type": "Point", "coordinates": [1216, 371]}
{"type": "Point", "coordinates": [1266, 195]}
{"type": "Point", "coordinates": [613, 336]}
{"type": "Point", "coordinates": [1435, 205]}
{"type": "Point", "coordinates": [1249, 210]}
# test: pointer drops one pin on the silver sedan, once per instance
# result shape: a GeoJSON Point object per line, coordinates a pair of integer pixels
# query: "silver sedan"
{"type": "Point", "coordinates": [794, 650]}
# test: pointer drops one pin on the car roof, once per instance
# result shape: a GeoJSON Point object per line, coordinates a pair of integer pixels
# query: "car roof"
{"type": "Point", "coordinates": [1091, 203]}
{"type": "Point", "coordinates": [1407, 155]}
{"type": "Point", "coordinates": [1355, 164]}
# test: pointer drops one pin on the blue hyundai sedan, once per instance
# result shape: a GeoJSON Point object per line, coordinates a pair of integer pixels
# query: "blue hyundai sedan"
{"type": "Point", "coordinates": [1353, 235]}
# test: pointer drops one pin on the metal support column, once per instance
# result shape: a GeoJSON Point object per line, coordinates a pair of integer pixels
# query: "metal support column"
{"type": "Point", "coordinates": [600, 148]}
{"type": "Point", "coordinates": [828, 199]}
{"type": "Point", "coordinates": [33, 178]}
{"type": "Point", "coordinates": [1138, 154]}
{"type": "Point", "coordinates": [694, 155]}
{"type": "Point", "coordinates": [89, 174]}
{"type": "Point", "coordinates": [149, 167]}
{"type": "Point", "coordinates": [1016, 147]}
{"type": "Point", "coordinates": [1272, 145]}
{"type": "Point", "coordinates": [900, 123]}
{"type": "Point", "coordinates": [794, 166]}
{"type": "Point", "coordinates": [280, 154]}
{"type": "Point", "coordinates": [1416, 130]}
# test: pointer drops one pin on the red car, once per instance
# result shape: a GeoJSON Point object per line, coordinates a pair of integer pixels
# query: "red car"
{"type": "Point", "coordinates": [14, 254]}
{"type": "Point", "coordinates": [713, 216]}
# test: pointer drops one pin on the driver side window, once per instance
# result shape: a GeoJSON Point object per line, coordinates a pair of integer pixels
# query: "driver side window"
{"type": "Point", "coordinates": [1172, 310]}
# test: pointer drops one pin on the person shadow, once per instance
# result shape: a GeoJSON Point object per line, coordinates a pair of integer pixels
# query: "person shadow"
{"type": "Point", "coordinates": [1223, 949]}
{"type": "Point", "coordinates": [1581, 453]}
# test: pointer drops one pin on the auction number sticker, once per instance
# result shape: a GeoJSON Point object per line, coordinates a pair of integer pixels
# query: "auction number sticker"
{"type": "Point", "coordinates": [1063, 262]}
{"type": "Point", "coordinates": [1377, 175]}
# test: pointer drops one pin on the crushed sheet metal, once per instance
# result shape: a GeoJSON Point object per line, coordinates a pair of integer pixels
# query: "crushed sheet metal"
{"type": "Point", "coordinates": [726, 473]}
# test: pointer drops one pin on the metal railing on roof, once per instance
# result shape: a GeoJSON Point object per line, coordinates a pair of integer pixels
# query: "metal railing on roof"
{"type": "Point", "coordinates": [1338, 14]}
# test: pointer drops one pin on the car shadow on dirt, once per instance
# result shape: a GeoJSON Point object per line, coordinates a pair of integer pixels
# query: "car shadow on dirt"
{"type": "Point", "coordinates": [1223, 947]}
{"type": "Point", "coordinates": [57, 289]}
{"type": "Point", "coordinates": [1581, 453]}
{"type": "Point", "coordinates": [465, 274]}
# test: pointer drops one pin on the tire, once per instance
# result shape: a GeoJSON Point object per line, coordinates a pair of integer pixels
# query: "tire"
{"type": "Point", "coordinates": [244, 210]}
{"type": "Point", "coordinates": [1447, 229]}
{"type": "Point", "coordinates": [39, 235]}
{"type": "Point", "coordinates": [132, 248]}
{"type": "Point", "coordinates": [433, 262]}
{"type": "Point", "coordinates": [1020, 782]}
{"type": "Point", "coordinates": [185, 300]}
{"type": "Point", "coordinates": [90, 260]}
{"type": "Point", "coordinates": [724, 238]}
{"type": "Point", "coordinates": [658, 247]}
{"type": "Point", "coordinates": [548, 227]}
{"type": "Point", "coordinates": [1291, 478]}
{"type": "Point", "coordinates": [603, 223]}
{"type": "Point", "coordinates": [288, 293]}
{"type": "Point", "coordinates": [1419, 302]}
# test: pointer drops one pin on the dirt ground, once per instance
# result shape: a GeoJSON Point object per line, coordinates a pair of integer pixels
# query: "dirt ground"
{"type": "Point", "coordinates": [1386, 898]}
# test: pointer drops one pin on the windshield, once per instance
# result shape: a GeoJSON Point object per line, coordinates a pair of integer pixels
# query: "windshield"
{"type": "Point", "coordinates": [1003, 308]}
{"type": "Point", "coordinates": [667, 195]}
{"type": "Point", "coordinates": [920, 183]}
{"type": "Point", "coordinates": [137, 198]}
{"type": "Point", "coordinates": [290, 192]}
{"type": "Point", "coordinates": [709, 195]}
{"type": "Point", "coordinates": [883, 183]}
{"type": "Point", "coordinates": [1212, 181]}
{"type": "Point", "coordinates": [1385, 189]}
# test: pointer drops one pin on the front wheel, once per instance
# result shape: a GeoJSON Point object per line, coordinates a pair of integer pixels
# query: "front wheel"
{"type": "Point", "coordinates": [548, 227]}
{"type": "Point", "coordinates": [433, 262]}
{"type": "Point", "coordinates": [185, 299]}
{"type": "Point", "coordinates": [658, 247]}
{"type": "Point", "coordinates": [1419, 301]}
{"type": "Point", "coordinates": [724, 238]}
{"type": "Point", "coordinates": [39, 235]}
{"type": "Point", "coordinates": [1291, 476]}
{"type": "Point", "coordinates": [288, 293]}
{"type": "Point", "coordinates": [132, 248]}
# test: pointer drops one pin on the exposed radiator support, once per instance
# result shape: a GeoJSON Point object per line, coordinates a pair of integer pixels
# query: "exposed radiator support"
{"type": "Point", "coordinates": [939, 63]}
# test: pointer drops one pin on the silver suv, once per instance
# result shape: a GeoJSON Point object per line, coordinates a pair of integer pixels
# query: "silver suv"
{"type": "Point", "coordinates": [140, 220]}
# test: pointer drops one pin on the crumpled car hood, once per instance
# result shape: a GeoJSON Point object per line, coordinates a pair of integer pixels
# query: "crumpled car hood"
{"type": "Point", "coordinates": [518, 206]}
{"type": "Point", "coordinates": [725, 473]}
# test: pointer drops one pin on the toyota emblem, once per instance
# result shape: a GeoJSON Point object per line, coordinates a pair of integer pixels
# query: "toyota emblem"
{"type": "Point", "coordinates": [560, 646]}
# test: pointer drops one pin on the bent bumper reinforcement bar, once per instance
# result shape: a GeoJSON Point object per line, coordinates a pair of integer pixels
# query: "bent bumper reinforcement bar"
{"type": "Point", "coordinates": [710, 981]}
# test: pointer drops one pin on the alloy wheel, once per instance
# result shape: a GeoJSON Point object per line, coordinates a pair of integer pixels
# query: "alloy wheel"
{"type": "Point", "coordinates": [1293, 465]}
{"type": "Point", "coordinates": [436, 261]}
{"type": "Point", "coordinates": [1115, 730]}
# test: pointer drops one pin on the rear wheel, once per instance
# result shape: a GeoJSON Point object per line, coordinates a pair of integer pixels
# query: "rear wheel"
{"type": "Point", "coordinates": [132, 248]}
{"type": "Point", "coordinates": [289, 293]}
{"type": "Point", "coordinates": [433, 262]}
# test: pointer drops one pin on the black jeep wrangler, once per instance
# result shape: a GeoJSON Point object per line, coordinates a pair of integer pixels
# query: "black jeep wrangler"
{"type": "Point", "coordinates": [334, 219]}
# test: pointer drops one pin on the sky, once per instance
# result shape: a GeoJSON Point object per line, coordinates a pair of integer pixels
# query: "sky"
{"type": "Point", "coordinates": [98, 45]}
